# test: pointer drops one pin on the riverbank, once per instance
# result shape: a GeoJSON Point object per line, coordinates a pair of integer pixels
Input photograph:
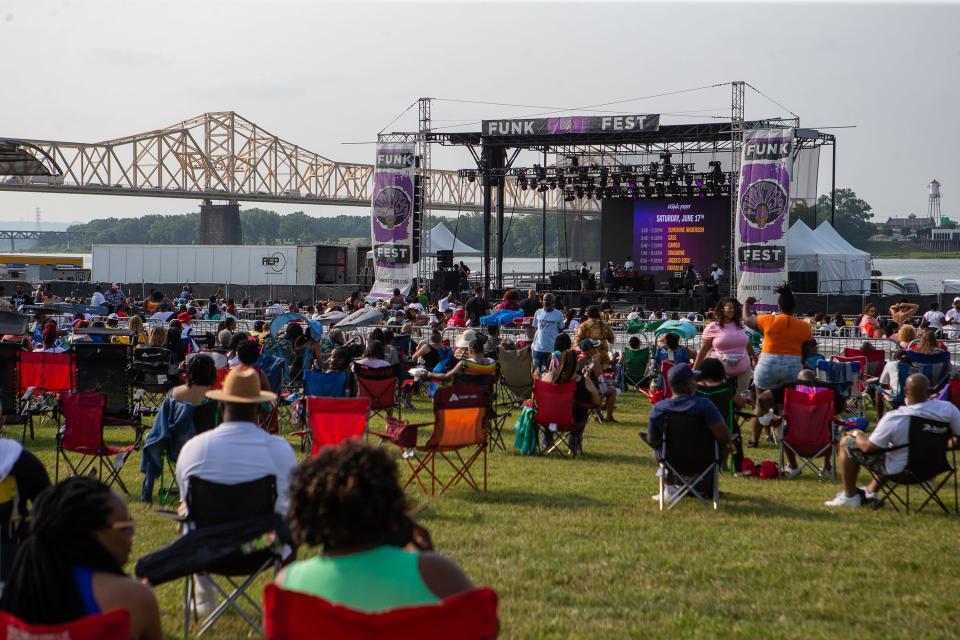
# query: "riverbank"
{"type": "Point", "coordinates": [905, 250]}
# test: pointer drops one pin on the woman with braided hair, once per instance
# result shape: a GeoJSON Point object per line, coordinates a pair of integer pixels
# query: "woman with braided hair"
{"type": "Point", "coordinates": [348, 501]}
{"type": "Point", "coordinates": [70, 565]}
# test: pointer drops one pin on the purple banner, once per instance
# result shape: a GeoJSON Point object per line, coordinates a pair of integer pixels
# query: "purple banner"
{"type": "Point", "coordinates": [391, 219]}
{"type": "Point", "coordinates": [762, 214]}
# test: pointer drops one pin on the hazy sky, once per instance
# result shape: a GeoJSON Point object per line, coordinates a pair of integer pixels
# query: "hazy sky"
{"type": "Point", "coordinates": [322, 74]}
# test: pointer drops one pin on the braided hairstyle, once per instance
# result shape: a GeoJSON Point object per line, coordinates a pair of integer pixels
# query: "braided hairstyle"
{"type": "Point", "coordinates": [785, 299]}
{"type": "Point", "coordinates": [346, 496]}
{"type": "Point", "coordinates": [42, 588]}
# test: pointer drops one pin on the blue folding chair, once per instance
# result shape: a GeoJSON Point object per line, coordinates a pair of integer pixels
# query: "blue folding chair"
{"type": "Point", "coordinates": [935, 366]}
{"type": "Point", "coordinates": [325, 385]}
{"type": "Point", "coordinates": [844, 378]}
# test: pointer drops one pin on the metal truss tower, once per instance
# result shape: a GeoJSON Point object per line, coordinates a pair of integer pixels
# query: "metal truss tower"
{"type": "Point", "coordinates": [736, 142]}
{"type": "Point", "coordinates": [427, 264]}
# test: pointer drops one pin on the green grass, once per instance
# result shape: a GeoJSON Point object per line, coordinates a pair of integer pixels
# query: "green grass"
{"type": "Point", "coordinates": [576, 549]}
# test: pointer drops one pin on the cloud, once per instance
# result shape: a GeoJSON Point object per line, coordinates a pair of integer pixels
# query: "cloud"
{"type": "Point", "coordinates": [125, 57]}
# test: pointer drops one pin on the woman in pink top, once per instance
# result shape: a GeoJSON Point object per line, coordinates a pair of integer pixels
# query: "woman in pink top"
{"type": "Point", "coordinates": [727, 340]}
{"type": "Point", "coordinates": [870, 320]}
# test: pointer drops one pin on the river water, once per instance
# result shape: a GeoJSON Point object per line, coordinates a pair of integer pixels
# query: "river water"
{"type": "Point", "coordinates": [928, 272]}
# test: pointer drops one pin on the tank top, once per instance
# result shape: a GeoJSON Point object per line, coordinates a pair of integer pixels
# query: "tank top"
{"type": "Point", "coordinates": [382, 578]}
{"type": "Point", "coordinates": [84, 579]}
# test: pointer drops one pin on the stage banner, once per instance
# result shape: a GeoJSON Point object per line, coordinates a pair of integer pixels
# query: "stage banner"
{"type": "Point", "coordinates": [391, 219]}
{"type": "Point", "coordinates": [762, 214]}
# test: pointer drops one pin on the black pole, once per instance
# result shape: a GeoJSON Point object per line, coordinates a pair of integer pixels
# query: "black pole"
{"type": "Point", "coordinates": [543, 233]}
{"type": "Point", "coordinates": [833, 187]}
{"type": "Point", "coordinates": [501, 184]}
{"type": "Point", "coordinates": [486, 225]}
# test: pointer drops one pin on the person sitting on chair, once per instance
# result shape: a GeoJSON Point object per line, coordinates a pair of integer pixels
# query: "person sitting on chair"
{"type": "Point", "coordinates": [681, 379]}
{"type": "Point", "coordinates": [348, 502]}
{"type": "Point", "coordinates": [71, 563]}
{"type": "Point", "coordinates": [884, 451]}
{"type": "Point", "coordinates": [588, 366]}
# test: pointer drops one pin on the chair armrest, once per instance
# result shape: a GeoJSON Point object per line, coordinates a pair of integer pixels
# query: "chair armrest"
{"type": "Point", "coordinates": [28, 394]}
{"type": "Point", "coordinates": [171, 515]}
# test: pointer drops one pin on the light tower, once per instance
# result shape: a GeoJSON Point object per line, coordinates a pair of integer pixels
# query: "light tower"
{"type": "Point", "coordinates": [933, 206]}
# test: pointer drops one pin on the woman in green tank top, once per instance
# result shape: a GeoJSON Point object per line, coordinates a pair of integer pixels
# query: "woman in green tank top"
{"type": "Point", "coordinates": [348, 501]}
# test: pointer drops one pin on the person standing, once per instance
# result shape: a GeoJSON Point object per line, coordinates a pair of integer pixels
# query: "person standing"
{"type": "Point", "coordinates": [449, 302]}
{"type": "Point", "coordinates": [727, 340]}
{"type": "Point", "coordinates": [596, 328]}
{"type": "Point", "coordinates": [953, 320]}
{"type": "Point", "coordinates": [586, 277]}
{"type": "Point", "coordinates": [628, 264]}
{"type": "Point", "coordinates": [114, 297]}
{"type": "Point", "coordinates": [903, 312]}
{"type": "Point", "coordinates": [531, 304]}
{"type": "Point", "coordinates": [477, 307]}
{"type": "Point", "coordinates": [606, 277]}
{"type": "Point", "coordinates": [933, 318]}
{"type": "Point", "coordinates": [548, 323]}
{"type": "Point", "coordinates": [98, 299]}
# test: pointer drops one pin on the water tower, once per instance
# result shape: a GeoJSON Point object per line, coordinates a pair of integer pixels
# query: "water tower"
{"type": "Point", "coordinates": [933, 207]}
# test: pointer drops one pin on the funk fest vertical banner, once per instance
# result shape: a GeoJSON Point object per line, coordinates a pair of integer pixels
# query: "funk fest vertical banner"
{"type": "Point", "coordinates": [391, 219]}
{"type": "Point", "coordinates": [762, 215]}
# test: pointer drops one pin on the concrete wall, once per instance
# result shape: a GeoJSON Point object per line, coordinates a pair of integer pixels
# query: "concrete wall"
{"type": "Point", "coordinates": [219, 224]}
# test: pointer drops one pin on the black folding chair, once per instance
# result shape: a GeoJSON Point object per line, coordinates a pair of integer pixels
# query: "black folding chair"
{"type": "Point", "coordinates": [929, 441]}
{"type": "Point", "coordinates": [10, 401]}
{"type": "Point", "coordinates": [210, 504]}
{"type": "Point", "coordinates": [107, 369]}
{"type": "Point", "coordinates": [691, 454]}
{"type": "Point", "coordinates": [153, 377]}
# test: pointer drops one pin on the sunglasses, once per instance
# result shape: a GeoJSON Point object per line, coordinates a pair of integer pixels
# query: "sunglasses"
{"type": "Point", "coordinates": [126, 526]}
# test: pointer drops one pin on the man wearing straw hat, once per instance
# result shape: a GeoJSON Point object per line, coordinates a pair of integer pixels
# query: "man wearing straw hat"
{"type": "Point", "coordinates": [236, 451]}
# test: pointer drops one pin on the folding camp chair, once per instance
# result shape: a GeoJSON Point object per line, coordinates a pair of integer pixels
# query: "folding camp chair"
{"type": "Point", "coordinates": [665, 367]}
{"type": "Point", "coordinates": [333, 420]}
{"type": "Point", "coordinates": [153, 377]}
{"type": "Point", "coordinates": [554, 416]}
{"type": "Point", "coordinates": [875, 360]}
{"type": "Point", "coordinates": [82, 434]}
{"type": "Point", "coordinates": [722, 398]}
{"type": "Point", "coordinates": [9, 398]}
{"type": "Point", "coordinates": [111, 625]}
{"type": "Point", "coordinates": [691, 455]}
{"type": "Point", "coordinates": [42, 377]}
{"type": "Point", "coordinates": [107, 369]}
{"type": "Point", "coordinates": [807, 429]}
{"type": "Point", "coordinates": [935, 366]}
{"type": "Point", "coordinates": [210, 504]}
{"type": "Point", "coordinates": [289, 615]}
{"type": "Point", "coordinates": [206, 416]}
{"type": "Point", "coordinates": [516, 374]}
{"type": "Point", "coordinates": [636, 363]}
{"type": "Point", "coordinates": [844, 376]}
{"type": "Point", "coordinates": [927, 446]}
{"type": "Point", "coordinates": [318, 384]}
{"type": "Point", "coordinates": [379, 384]}
{"type": "Point", "coordinates": [461, 413]}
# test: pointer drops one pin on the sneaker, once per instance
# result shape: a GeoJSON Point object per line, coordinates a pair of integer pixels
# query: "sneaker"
{"type": "Point", "coordinates": [669, 492]}
{"type": "Point", "coordinates": [842, 500]}
{"type": "Point", "coordinates": [752, 445]}
{"type": "Point", "coordinates": [790, 473]}
{"type": "Point", "coordinates": [869, 496]}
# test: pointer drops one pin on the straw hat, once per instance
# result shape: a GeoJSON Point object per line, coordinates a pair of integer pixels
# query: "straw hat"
{"type": "Point", "coordinates": [464, 339]}
{"type": "Point", "coordinates": [242, 386]}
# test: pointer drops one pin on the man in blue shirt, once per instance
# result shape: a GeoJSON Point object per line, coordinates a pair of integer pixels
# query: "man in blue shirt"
{"type": "Point", "coordinates": [681, 380]}
{"type": "Point", "coordinates": [548, 322]}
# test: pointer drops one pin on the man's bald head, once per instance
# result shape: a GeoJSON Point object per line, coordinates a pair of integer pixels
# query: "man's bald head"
{"type": "Point", "coordinates": [917, 389]}
{"type": "Point", "coordinates": [806, 375]}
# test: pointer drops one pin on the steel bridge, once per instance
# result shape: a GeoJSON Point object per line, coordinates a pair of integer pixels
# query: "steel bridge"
{"type": "Point", "coordinates": [223, 156]}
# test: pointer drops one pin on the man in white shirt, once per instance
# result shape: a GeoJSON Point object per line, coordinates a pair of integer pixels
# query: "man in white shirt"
{"type": "Point", "coordinates": [628, 264]}
{"type": "Point", "coordinates": [934, 318]}
{"type": "Point", "coordinates": [98, 299]}
{"type": "Point", "coordinates": [236, 451]}
{"type": "Point", "coordinates": [892, 432]}
{"type": "Point", "coordinates": [716, 273]}
{"type": "Point", "coordinates": [448, 302]}
{"type": "Point", "coordinates": [548, 322]}
{"type": "Point", "coordinates": [953, 320]}
{"type": "Point", "coordinates": [273, 309]}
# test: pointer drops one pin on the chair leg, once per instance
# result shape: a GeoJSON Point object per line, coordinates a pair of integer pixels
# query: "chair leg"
{"type": "Point", "coordinates": [187, 602]}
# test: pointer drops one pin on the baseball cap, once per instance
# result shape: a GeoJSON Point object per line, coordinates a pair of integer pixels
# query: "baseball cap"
{"type": "Point", "coordinates": [680, 373]}
{"type": "Point", "coordinates": [956, 300]}
{"type": "Point", "coordinates": [586, 345]}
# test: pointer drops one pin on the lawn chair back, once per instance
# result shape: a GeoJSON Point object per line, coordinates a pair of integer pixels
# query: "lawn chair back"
{"type": "Point", "coordinates": [9, 360]}
{"type": "Point", "coordinates": [401, 342]}
{"type": "Point", "coordinates": [688, 444]}
{"type": "Point", "coordinates": [665, 367]}
{"type": "Point", "coordinates": [273, 369]}
{"type": "Point", "coordinates": [333, 420]}
{"type": "Point", "coordinates": [471, 615]}
{"type": "Point", "coordinates": [460, 414]}
{"type": "Point", "coordinates": [516, 371]}
{"type": "Point", "coordinates": [82, 421]}
{"type": "Point", "coordinates": [112, 625]}
{"type": "Point", "coordinates": [926, 451]}
{"type": "Point", "coordinates": [844, 375]}
{"type": "Point", "coordinates": [809, 418]}
{"type": "Point", "coordinates": [875, 359]}
{"type": "Point", "coordinates": [935, 366]}
{"type": "Point", "coordinates": [325, 384]}
{"type": "Point", "coordinates": [206, 416]}
{"type": "Point", "coordinates": [554, 403]}
{"type": "Point", "coordinates": [722, 398]}
{"type": "Point", "coordinates": [106, 368]}
{"type": "Point", "coordinates": [211, 503]}
{"type": "Point", "coordinates": [52, 372]}
{"type": "Point", "coordinates": [377, 383]}
{"type": "Point", "coordinates": [635, 364]}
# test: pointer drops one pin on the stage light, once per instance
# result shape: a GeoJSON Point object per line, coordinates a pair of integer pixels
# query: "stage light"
{"type": "Point", "coordinates": [523, 184]}
{"type": "Point", "coordinates": [542, 188]}
{"type": "Point", "coordinates": [661, 190]}
{"type": "Point", "coordinates": [654, 168]}
{"type": "Point", "coordinates": [716, 173]}
{"type": "Point", "coordinates": [699, 182]}
{"type": "Point", "coordinates": [471, 176]}
{"type": "Point", "coordinates": [562, 183]}
{"type": "Point", "coordinates": [553, 184]}
{"type": "Point", "coordinates": [578, 190]}
{"type": "Point", "coordinates": [568, 197]}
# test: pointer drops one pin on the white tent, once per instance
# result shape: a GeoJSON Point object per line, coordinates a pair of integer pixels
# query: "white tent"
{"type": "Point", "coordinates": [441, 239]}
{"type": "Point", "coordinates": [840, 267]}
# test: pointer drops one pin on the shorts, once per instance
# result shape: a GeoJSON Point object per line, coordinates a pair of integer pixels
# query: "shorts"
{"type": "Point", "coordinates": [585, 283]}
{"type": "Point", "coordinates": [774, 369]}
{"type": "Point", "coordinates": [871, 461]}
{"type": "Point", "coordinates": [541, 360]}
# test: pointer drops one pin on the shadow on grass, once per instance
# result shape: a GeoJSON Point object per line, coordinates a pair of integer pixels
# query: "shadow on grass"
{"type": "Point", "coordinates": [759, 506]}
{"type": "Point", "coordinates": [545, 498]}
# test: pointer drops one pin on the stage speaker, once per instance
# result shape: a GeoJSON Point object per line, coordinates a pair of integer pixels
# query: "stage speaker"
{"type": "Point", "coordinates": [444, 281]}
{"type": "Point", "coordinates": [676, 283]}
{"type": "Point", "coordinates": [803, 281]}
{"type": "Point", "coordinates": [645, 283]}
{"type": "Point", "coordinates": [445, 259]}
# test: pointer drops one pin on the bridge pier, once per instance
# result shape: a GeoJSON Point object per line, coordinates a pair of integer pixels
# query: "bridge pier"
{"type": "Point", "coordinates": [219, 224]}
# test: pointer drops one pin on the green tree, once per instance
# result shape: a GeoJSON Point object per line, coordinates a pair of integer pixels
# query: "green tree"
{"type": "Point", "coordinates": [853, 215]}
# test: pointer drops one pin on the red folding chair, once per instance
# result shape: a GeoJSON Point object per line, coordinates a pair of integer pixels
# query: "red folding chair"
{"type": "Point", "coordinates": [665, 367]}
{"type": "Point", "coordinates": [289, 615]}
{"type": "Point", "coordinates": [807, 428]}
{"type": "Point", "coordinates": [333, 420]}
{"type": "Point", "coordinates": [874, 360]}
{"type": "Point", "coordinates": [379, 384]}
{"type": "Point", "coordinates": [554, 414]}
{"type": "Point", "coordinates": [42, 376]}
{"type": "Point", "coordinates": [953, 392]}
{"type": "Point", "coordinates": [112, 625]}
{"type": "Point", "coordinates": [82, 434]}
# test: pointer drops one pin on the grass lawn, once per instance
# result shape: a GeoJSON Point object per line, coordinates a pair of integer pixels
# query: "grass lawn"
{"type": "Point", "coordinates": [577, 549]}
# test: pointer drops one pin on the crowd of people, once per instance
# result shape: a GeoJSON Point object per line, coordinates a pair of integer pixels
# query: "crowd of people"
{"type": "Point", "coordinates": [347, 500]}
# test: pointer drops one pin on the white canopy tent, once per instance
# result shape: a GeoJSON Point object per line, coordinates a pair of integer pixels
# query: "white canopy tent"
{"type": "Point", "coordinates": [441, 239]}
{"type": "Point", "coordinates": [840, 267]}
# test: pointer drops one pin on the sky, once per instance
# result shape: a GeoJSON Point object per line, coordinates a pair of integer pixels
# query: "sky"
{"type": "Point", "coordinates": [327, 76]}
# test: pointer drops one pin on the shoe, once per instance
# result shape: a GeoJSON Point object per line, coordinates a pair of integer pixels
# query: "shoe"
{"type": "Point", "coordinates": [752, 445]}
{"type": "Point", "coordinates": [842, 500]}
{"type": "Point", "coordinates": [790, 473]}
{"type": "Point", "coordinates": [668, 494]}
{"type": "Point", "coordinates": [868, 495]}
